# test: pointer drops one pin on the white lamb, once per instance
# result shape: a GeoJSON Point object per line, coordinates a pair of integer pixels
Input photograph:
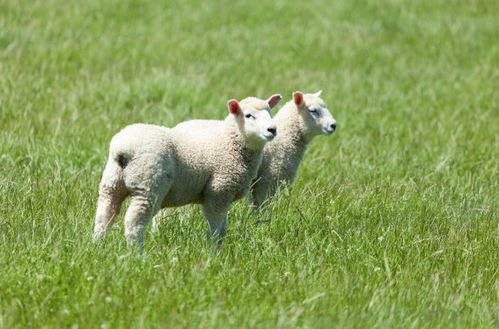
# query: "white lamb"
{"type": "Point", "coordinates": [298, 122]}
{"type": "Point", "coordinates": [169, 167]}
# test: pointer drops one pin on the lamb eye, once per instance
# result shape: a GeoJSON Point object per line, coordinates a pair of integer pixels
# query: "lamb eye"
{"type": "Point", "coordinates": [314, 112]}
{"type": "Point", "coordinates": [249, 116]}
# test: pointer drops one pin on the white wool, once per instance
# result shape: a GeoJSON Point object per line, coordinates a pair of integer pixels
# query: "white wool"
{"type": "Point", "coordinates": [208, 162]}
{"type": "Point", "coordinates": [296, 126]}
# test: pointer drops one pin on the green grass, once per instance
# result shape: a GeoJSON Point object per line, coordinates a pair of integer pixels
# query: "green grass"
{"type": "Point", "coordinates": [392, 222]}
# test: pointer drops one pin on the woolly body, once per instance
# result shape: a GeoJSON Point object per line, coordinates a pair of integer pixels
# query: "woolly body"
{"type": "Point", "coordinates": [169, 167]}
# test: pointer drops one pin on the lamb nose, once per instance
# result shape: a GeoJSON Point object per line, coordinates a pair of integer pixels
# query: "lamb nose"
{"type": "Point", "coordinates": [272, 130]}
{"type": "Point", "coordinates": [333, 126]}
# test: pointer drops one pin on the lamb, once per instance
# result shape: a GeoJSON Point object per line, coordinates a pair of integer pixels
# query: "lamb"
{"type": "Point", "coordinates": [298, 122]}
{"type": "Point", "coordinates": [169, 167]}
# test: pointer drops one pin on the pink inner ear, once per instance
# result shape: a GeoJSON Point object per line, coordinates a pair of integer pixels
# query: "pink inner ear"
{"type": "Point", "coordinates": [233, 107]}
{"type": "Point", "coordinates": [298, 97]}
{"type": "Point", "coordinates": [274, 100]}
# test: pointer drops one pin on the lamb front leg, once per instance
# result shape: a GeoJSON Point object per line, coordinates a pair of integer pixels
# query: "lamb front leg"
{"type": "Point", "coordinates": [258, 193]}
{"type": "Point", "coordinates": [216, 217]}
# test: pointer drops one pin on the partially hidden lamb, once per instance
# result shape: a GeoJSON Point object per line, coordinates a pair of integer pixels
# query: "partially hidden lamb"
{"type": "Point", "coordinates": [298, 122]}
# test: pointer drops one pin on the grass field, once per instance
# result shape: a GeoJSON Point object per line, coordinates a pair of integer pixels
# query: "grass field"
{"type": "Point", "coordinates": [392, 222]}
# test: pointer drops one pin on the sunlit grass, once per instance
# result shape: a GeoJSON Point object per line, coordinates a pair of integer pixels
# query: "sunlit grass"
{"type": "Point", "coordinates": [392, 222]}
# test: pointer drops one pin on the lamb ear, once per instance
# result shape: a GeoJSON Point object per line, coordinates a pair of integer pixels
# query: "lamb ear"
{"type": "Point", "coordinates": [233, 106]}
{"type": "Point", "coordinates": [273, 100]}
{"type": "Point", "coordinates": [318, 94]}
{"type": "Point", "coordinates": [298, 98]}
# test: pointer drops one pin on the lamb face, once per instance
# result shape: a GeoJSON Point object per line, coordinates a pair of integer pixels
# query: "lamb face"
{"type": "Point", "coordinates": [316, 116]}
{"type": "Point", "coordinates": [253, 119]}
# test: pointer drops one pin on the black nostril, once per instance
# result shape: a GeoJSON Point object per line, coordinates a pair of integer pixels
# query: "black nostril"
{"type": "Point", "coordinates": [333, 126]}
{"type": "Point", "coordinates": [273, 131]}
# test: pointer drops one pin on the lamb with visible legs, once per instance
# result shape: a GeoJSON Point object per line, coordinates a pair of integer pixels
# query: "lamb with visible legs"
{"type": "Point", "coordinates": [169, 167]}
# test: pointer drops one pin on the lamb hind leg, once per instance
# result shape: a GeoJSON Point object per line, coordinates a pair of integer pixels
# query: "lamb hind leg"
{"type": "Point", "coordinates": [142, 208]}
{"type": "Point", "coordinates": [161, 217]}
{"type": "Point", "coordinates": [108, 207]}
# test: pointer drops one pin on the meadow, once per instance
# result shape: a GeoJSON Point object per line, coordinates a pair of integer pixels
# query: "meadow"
{"type": "Point", "coordinates": [392, 223]}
